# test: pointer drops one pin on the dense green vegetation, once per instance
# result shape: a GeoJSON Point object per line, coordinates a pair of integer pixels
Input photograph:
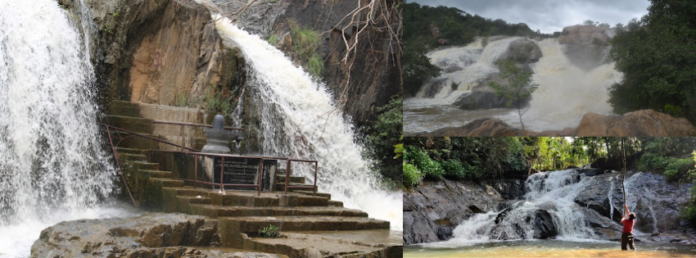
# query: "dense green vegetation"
{"type": "Point", "coordinates": [426, 28]}
{"type": "Point", "coordinates": [657, 55]}
{"type": "Point", "coordinates": [383, 139]}
{"type": "Point", "coordinates": [477, 158]}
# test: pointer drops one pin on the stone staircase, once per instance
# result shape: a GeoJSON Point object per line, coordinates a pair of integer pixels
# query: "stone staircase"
{"type": "Point", "coordinates": [305, 219]}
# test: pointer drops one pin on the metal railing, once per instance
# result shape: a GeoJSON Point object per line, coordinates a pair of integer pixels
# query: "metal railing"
{"type": "Point", "coordinates": [197, 154]}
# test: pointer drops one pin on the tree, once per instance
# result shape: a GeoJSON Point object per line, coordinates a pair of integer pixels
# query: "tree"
{"type": "Point", "coordinates": [518, 88]}
{"type": "Point", "coordinates": [657, 55]}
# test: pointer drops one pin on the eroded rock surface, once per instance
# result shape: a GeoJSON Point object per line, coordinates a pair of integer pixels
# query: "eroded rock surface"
{"type": "Point", "coordinates": [433, 209]}
{"type": "Point", "coordinates": [638, 123]}
{"type": "Point", "coordinates": [587, 46]}
{"type": "Point", "coordinates": [151, 235]}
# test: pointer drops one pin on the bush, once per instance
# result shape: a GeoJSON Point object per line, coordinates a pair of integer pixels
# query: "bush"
{"type": "Point", "coordinates": [412, 176]}
{"type": "Point", "coordinates": [422, 161]}
{"type": "Point", "coordinates": [677, 169]}
{"type": "Point", "coordinates": [271, 231]}
{"type": "Point", "coordinates": [652, 162]}
{"type": "Point", "coordinates": [455, 169]}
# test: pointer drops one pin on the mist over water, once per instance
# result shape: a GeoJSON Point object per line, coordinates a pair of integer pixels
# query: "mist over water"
{"type": "Point", "coordinates": [301, 120]}
{"type": "Point", "coordinates": [52, 166]}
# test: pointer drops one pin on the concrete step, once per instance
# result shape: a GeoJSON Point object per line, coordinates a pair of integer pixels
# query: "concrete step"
{"type": "Point", "coordinates": [356, 243]}
{"type": "Point", "coordinates": [157, 173]}
{"type": "Point", "coordinates": [134, 142]}
{"type": "Point", "coordinates": [166, 182]}
{"type": "Point", "coordinates": [335, 203]}
{"type": "Point", "coordinates": [243, 198]}
{"type": "Point", "coordinates": [292, 179]}
{"type": "Point", "coordinates": [142, 165]}
{"type": "Point", "coordinates": [131, 157]}
{"type": "Point", "coordinates": [281, 187]}
{"type": "Point", "coordinates": [307, 192]}
{"type": "Point", "coordinates": [187, 191]}
{"type": "Point", "coordinates": [215, 211]}
{"type": "Point", "coordinates": [135, 124]}
{"type": "Point", "coordinates": [124, 108]}
{"type": "Point", "coordinates": [131, 151]}
{"type": "Point", "coordinates": [232, 228]}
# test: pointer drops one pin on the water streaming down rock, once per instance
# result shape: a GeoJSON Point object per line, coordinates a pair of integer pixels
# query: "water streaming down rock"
{"type": "Point", "coordinates": [300, 119]}
{"type": "Point", "coordinates": [52, 166]}
{"type": "Point", "coordinates": [565, 94]}
{"type": "Point", "coordinates": [549, 210]}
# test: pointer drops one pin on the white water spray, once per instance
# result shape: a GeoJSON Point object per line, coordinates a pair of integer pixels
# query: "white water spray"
{"type": "Point", "coordinates": [52, 167]}
{"type": "Point", "coordinates": [301, 120]}
{"type": "Point", "coordinates": [565, 94]}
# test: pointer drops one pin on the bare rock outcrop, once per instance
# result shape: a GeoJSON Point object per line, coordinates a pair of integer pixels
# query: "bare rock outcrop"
{"type": "Point", "coordinates": [638, 123]}
{"type": "Point", "coordinates": [587, 46]}
{"type": "Point", "coordinates": [151, 235]}
{"type": "Point", "coordinates": [490, 127]}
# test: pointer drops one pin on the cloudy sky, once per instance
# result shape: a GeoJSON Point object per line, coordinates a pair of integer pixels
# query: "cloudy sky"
{"type": "Point", "coordinates": [550, 15]}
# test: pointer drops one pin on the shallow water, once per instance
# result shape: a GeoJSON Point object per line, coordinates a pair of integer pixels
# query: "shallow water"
{"type": "Point", "coordinates": [16, 240]}
{"type": "Point", "coordinates": [549, 248]}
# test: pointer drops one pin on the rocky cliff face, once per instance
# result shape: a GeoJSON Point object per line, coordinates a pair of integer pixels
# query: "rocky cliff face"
{"type": "Point", "coordinates": [433, 209]}
{"type": "Point", "coordinates": [587, 46]}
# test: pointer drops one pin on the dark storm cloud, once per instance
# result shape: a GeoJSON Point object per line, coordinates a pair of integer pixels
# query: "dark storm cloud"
{"type": "Point", "coordinates": [550, 15]}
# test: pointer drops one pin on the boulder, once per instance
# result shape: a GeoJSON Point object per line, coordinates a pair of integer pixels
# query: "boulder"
{"type": "Point", "coordinates": [523, 51]}
{"type": "Point", "coordinates": [638, 123]}
{"type": "Point", "coordinates": [431, 88]}
{"type": "Point", "coordinates": [486, 100]}
{"type": "Point", "coordinates": [433, 209]}
{"type": "Point", "coordinates": [150, 235]}
{"type": "Point", "coordinates": [489, 127]}
{"type": "Point", "coordinates": [587, 46]}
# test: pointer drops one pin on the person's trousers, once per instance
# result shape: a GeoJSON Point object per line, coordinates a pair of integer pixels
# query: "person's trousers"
{"type": "Point", "coordinates": [627, 238]}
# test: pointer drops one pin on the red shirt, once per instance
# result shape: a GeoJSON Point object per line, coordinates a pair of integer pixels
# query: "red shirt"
{"type": "Point", "coordinates": [627, 226]}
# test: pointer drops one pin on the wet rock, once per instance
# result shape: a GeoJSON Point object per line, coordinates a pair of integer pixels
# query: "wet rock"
{"type": "Point", "coordinates": [543, 225]}
{"type": "Point", "coordinates": [434, 209]}
{"type": "Point", "coordinates": [591, 171]}
{"type": "Point", "coordinates": [487, 100]}
{"type": "Point", "coordinates": [587, 46]}
{"type": "Point", "coordinates": [150, 235]}
{"type": "Point", "coordinates": [523, 51]}
{"type": "Point", "coordinates": [638, 123]}
{"type": "Point", "coordinates": [433, 87]}
{"type": "Point", "coordinates": [489, 127]}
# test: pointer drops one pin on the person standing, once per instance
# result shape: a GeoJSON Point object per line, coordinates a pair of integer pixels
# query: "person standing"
{"type": "Point", "coordinates": [627, 220]}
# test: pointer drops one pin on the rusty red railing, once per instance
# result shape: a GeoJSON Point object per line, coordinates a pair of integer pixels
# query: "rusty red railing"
{"type": "Point", "coordinates": [197, 154]}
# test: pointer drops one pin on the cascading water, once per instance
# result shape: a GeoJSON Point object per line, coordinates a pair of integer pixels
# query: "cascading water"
{"type": "Point", "coordinates": [52, 166]}
{"type": "Point", "coordinates": [565, 94]}
{"type": "Point", "coordinates": [553, 192]}
{"type": "Point", "coordinates": [300, 119]}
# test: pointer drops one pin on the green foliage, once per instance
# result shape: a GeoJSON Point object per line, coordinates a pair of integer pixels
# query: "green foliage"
{"type": "Point", "coordinates": [454, 25]}
{"type": "Point", "coordinates": [216, 103]}
{"type": "Point", "coordinates": [273, 40]}
{"type": "Point", "coordinates": [181, 100]}
{"type": "Point", "coordinates": [305, 43]}
{"type": "Point", "coordinates": [454, 86]}
{"type": "Point", "coordinates": [519, 85]}
{"type": "Point", "coordinates": [315, 65]}
{"type": "Point", "coordinates": [657, 55]}
{"type": "Point", "coordinates": [422, 161]}
{"type": "Point", "coordinates": [416, 67]}
{"type": "Point", "coordinates": [456, 169]}
{"type": "Point", "coordinates": [677, 169]}
{"type": "Point", "coordinates": [269, 232]}
{"type": "Point", "coordinates": [412, 176]}
{"type": "Point", "coordinates": [383, 139]}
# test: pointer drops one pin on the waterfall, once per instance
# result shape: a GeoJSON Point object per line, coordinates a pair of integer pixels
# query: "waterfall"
{"type": "Point", "coordinates": [52, 166]}
{"type": "Point", "coordinates": [464, 66]}
{"type": "Point", "coordinates": [301, 120]}
{"type": "Point", "coordinates": [553, 192]}
{"type": "Point", "coordinates": [566, 92]}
